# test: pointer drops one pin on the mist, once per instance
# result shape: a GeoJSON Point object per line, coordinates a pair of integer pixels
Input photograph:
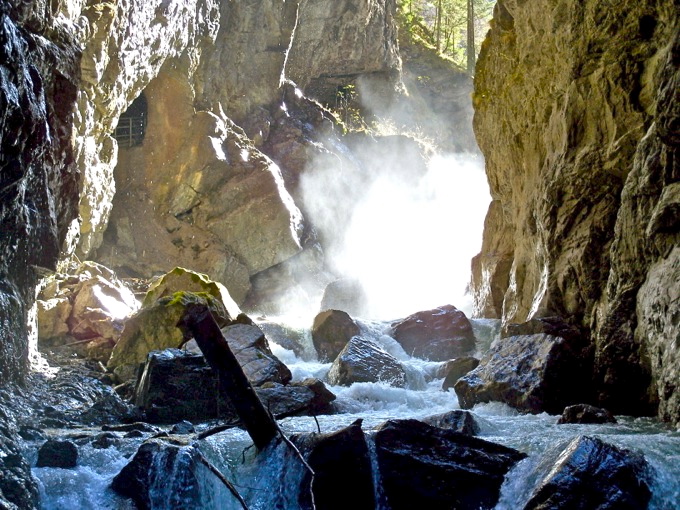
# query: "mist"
{"type": "Point", "coordinates": [403, 225]}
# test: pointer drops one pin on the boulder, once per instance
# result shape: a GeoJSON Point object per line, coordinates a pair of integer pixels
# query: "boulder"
{"type": "Point", "coordinates": [533, 373]}
{"type": "Point", "coordinates": [331, 331]}
{"type": "Point", "coordinates": [363, 360]}
{"type": "Point", "coordinates": [183, 427]}
{"type": "Point", "coordinates": [58, 454]}
{"type": "Point", "coordinates": [341, 455]}
{"type": "Point", "coordinates": [585, 413]}
{"type": "Point", "coordinates": [181, 279]}
{"type": "Point", "coordinates": [289, 337]}
{"type": "Point", "coordinates": [251, 349]}
{"type": "Point", "coordinates": [145, 478]}
{"type": "Point", "coordinates": [439, 468]}
{"type": "Point", "coordinates": [177, 385]}
{"type": "Point", "coordinates": [590, 473]}
{"type": "Point", "coordinates": [53, 317]}
{"type": "Point", "coordinates": [154, 328]}
{"type": "Point", "coordinates": [439, 334]}
{"type": "Point", "coordinates": [457, 368]}
{"type": "Point", "coordinates": [456, 420]}
{"type": "Point", "coordinates": [347, 295]}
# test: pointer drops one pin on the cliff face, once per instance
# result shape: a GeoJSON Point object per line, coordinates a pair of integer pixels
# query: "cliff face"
{"type": "Point", "coordinates": [577, 116]}
{"type": "Point", "coordinates": [39, 76]}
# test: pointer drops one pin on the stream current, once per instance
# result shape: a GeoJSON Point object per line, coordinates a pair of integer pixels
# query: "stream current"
{"type": "Point", "coordinates": [273, 479]}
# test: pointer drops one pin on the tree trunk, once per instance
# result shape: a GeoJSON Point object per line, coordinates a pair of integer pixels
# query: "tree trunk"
{"type": "Point", "coordinates": [470, 37]}
{"type": "Point", "coordinates": [439, 25]}
{"type": "Point", "coordinates": [199, 323]}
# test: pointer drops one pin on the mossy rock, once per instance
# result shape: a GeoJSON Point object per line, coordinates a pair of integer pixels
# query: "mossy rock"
{"type": "Point", "coordinates": [154, 327]}
{"type": "Point", "coordinates": [181, 279]}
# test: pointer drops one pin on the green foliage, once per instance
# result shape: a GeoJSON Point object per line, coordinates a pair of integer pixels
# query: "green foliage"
{"type": "Point", "coordinates": [443, 25]}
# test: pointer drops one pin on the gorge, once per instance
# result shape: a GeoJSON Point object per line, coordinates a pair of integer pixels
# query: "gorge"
{"type": "Point", "coordinates": [247, 141]}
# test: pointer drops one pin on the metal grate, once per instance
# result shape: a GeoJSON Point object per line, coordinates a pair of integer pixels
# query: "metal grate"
{"type": "Point", "coordinates": [130, 130]}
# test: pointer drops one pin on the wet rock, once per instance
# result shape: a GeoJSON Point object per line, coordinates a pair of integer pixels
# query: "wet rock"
{"type": "Point", "coordinates": [106, 440]}
{"type": "Point", "coordinates": [183, 427]}
{"type": "Point", "coordinates": [309, 397]}
{"type": "Point", "coordinates": [457, 420]}
{"type": "Point", "coordinates": [18, 488]}
{"type": "Point", "coordinates": [363, 360]}
{"type": "Point", "coordinates": [457, 368]}
{"type": "Point", "coordinates": [145, 478]}
{"type": "Point", "coordinates": [331, 331]}
{"type": "Point", "coordinates": [251, 349]}
{"type": "Point", "coordinates": [584, 413]}
{"type": "Point", "coordinates": [30, 433]}
{"type": "Point", "coordinates": [289, 337]}
{"type": "Point", "coordinates": [59, 454]}
{"type": "Point", "coordinates": [533, 373]}
{"type": "Point", "coordinates": [439, 468]}
{"type": "Point", "coordinates": [590, 473]}
{"type": "Point", "coordinates": [347, 295]}
{"type": "Point", "coordinates": [439, 334]}
{"type": "Point", "coordinates": [130, 427]}
{"type": "Point", "coordinates": [177, 385]}
{"type": "Point", "coordinates": [154, 328]}
{"type": "Point", "coordinates": [341, 455]}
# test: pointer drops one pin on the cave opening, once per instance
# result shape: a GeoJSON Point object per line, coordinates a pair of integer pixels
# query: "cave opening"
{"type": "Point", "coordinates": [132, 123]}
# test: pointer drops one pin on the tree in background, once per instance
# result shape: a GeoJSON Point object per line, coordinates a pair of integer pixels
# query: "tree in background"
{"type": "Point", "coordinates": [449, 26]}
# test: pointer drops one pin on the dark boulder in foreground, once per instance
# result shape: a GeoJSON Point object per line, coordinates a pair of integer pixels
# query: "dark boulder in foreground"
{"type": "Point", "coordinates": [150, 468]}
{"type": "Point", "coordinates": [363, 360]}
{"type": "Point", "coordinates": [58, 454]}
{"type": "Point", "coordinates": [456, 420]}
{"type": "Point", "coordinates": [342, 470]}
{"type": "Point", "coordinates": [532, 372]}
{"type": "Point", "coordinates": [439, 468]}
{"type": "Point", "coordinates": [439, 334]}
{"type": "Point", "coordinates": [593, 474]}
{"type": "Point", "coordinates": [584, 413]}
{"type": "Point", "coordinates": [176, 385]}
{"type": "Point", "coordinates": [331, 331]}
{"type": "Point", "coordinates": [457, 368]}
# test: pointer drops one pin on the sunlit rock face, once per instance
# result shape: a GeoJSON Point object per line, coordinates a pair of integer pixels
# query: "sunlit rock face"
{"type": "Point", "coordinates": [38, 179]}
{"type": "Point", "coordinates": [577, 116]}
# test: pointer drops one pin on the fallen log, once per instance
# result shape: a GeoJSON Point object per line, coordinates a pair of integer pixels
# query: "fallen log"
{"type": "Point", "coordinates": [199, 324]}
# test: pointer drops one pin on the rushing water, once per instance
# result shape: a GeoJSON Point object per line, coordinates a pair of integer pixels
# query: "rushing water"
{"type": "Point", "coordinates": [273, 479]}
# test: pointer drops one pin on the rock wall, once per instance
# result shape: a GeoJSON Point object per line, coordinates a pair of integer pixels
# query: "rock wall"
{"type": "Point", "coordinates": [39, 74]}
{"type": "Point", "coordinates": [577, 115]}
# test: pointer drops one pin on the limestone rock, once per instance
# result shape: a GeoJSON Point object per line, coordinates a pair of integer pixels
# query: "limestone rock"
{"type": "Point", "coordinates": [576, 114]}
{"type": "Point", "coordinates": [533, 373]}
{"type": "Point", "coordinates": [53, 315]}
{"type": "Point", "coordinates": [456, 420]}
{"type": "Point", "coordinates": [341, 455]}
{"type": "Point", "coordinates": [331, 331]}
{"type": "Point", "coordinates": [457, 368]}
{"type": "Point", "coordinates": [251, 349]}
{"type": "Point", "coordinates": [590, 473]}
{"type": "Point", "coordinates": [154, 328]}
{"type": "Point", "coordinates": [437, 335]}
{"type": "Point", "coordinates": [59, 454]}
{"type": "Point", "coordinates": [439, 468]}
{"type": "Point", "coordinates": [363, 360]}
{"type": "Point", "coordinates": [584, 413]}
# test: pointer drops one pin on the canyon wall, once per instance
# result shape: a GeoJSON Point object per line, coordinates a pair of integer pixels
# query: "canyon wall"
{"type": "Point", "coordinates": [576, 112]}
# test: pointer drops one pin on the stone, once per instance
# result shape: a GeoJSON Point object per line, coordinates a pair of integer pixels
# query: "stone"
{"type": "Point", "coordinates": [533, 373]}
{"type": "Point", "coordinates": [439, 468]}
{"type": "Point", "coordinates": [585, 413]}
{"type": "Point", "coordinates": [58, 454]}
{"type": "Point", "coordinates": [18, 487]}
{"type": "Point", "coordinates": [457, 368]}
{"type": "Point", "coordinates": [177, 385]}
{"type": "Point", "coordinates": [106, 440]}
{"type": "Point", "coordinates": [251, 349]}
{"type": "Point", "coordinates": [145, 478]}
{"type": "Point", "coordinates": [363, 360]}
{"type": "Point", "coordinates": [154, 328]}
{"type": "Point", "coordinates": [341, 455]}
{"type": "Point", "coordinates": [456, 420]}
{"type": "Point", "coordinates": [53, 315]}
{"type": "Point", "coordinates": [288, 336]}
{"type": "Point", "coordinates": [439, 334]}
{"type": "Point", "coordinates": [347, 295]}
{"type": "Point", "coordinates": [590, 473]}
{"type": "Point", "coordinates": [183, 427]}
{"type": "Point", "coordinates": [331, 331]}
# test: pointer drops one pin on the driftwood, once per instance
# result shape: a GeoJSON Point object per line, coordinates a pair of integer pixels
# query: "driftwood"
{"type": "Point", "coordinates": [198, 322]}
